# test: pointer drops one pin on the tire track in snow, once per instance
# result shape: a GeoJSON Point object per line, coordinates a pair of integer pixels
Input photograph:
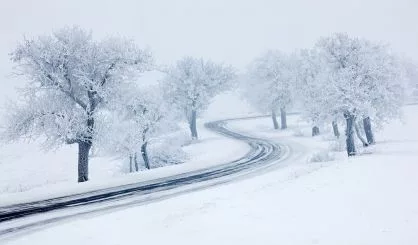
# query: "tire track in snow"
{"type": "Point", "coordinates": [28, 217]}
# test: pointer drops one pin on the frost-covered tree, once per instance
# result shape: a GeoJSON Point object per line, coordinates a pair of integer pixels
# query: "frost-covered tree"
{"type": "Point", "coordinates": [313, 96]}
{"type": "Point", "coordinates": [310, 93]}
{"type": "Point", "coordinates": [139, 115]}
{"type": "Point", "coordinates": [270, 84]}
{"type": "Point", "coordinates": [410, 68]}
{"type": "Point", "coordinates": [71, 77]}
{"type": "Point", "coordinates": [360, 80]}
{"type": "Point", "coordinates": [192, 83]}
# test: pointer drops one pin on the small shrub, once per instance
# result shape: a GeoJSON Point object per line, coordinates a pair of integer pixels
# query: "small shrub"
{"type": "Point", "coordinates": [298, 132]}
{"type": "Point", "coordinates": [322, 156]}
{"type": "Point", "coordinates": [337, 145]}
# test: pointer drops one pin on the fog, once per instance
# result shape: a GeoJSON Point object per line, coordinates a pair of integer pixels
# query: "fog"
{"type": "Point", "coordinates": [233, 31]}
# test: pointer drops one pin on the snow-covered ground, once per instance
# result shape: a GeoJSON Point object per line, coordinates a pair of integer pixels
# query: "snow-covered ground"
{"type": "Point", "coordinates": [368, 199]}
{"type": "Point", "coordinates": [28, 174]}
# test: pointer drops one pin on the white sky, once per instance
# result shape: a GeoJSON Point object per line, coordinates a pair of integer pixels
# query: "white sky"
{"type": "Point", "coordinates": [233, 31]}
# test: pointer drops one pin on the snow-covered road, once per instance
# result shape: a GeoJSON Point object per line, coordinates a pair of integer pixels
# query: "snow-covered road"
{"type": "Point", "coordinates": [368, 199]}
{"type": "Point", "coordinates": [17, 219]}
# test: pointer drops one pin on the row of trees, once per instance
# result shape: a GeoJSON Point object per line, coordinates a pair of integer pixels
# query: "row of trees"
{"type": "Point", "coordinates": [340, 79]}
{"type": "Point", "coordinates": [85, 92]}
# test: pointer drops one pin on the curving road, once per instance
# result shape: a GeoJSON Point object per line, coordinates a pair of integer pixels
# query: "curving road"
{"type": "Point", "coordinates": [27, 217]}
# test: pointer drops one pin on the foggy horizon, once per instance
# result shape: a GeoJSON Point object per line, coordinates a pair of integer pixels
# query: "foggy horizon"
{"type": "Point", "coordinates": [225, 31]}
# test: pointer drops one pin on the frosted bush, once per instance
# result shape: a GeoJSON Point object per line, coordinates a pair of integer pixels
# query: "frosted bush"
{"type": "Point", "coordinates": [322, 156]}
{"type": "Point", "coordinates": [166, 152]}
{"type": "Point", "coordinates": [298, 132]}
{"type": "Point", "coordinates": [164, 155]}
{"type": "Point", "coordinates": [337, 145]}
{"type": "Point", "coordinates": [180, 138]}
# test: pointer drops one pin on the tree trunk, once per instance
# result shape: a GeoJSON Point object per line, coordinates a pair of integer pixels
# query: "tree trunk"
{"type": "Point", "coordinates": [275, 123]}
{"type": "Point", "coordinates": [83, 160]}
{"type": "Point", "coordinates": [136, 162]}
{"type": "Point", "coordinates": [336, 130]}
{"type": "Point", "coordinates": [315, 131]}
{"type": "Point", "coordinates": [365, 144]}
{"type": "Point", "coordinates": [85, 145]}
{"type": "Point", "coordinates": [130, 164]}
{"type": "Point", "coordinates": [351, 148]}
{"type": "Point", "coordinates": [368, 130]}
{"type": "Point", "coordinates": [192, 125]}
{"type": "Point", "coordinates": [283, 118]}
{"type": "Point", "coordinates": [145, 155]}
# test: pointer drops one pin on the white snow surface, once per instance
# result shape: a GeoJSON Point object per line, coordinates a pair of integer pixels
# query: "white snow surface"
{"type": "Point", "coordinates": [367, 199]}
{"type": "Point", "coordinates": [28, 174]}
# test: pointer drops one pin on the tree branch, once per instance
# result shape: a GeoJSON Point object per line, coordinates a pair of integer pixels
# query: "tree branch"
{"type": "Point", "coordinates": [71, 141]}
{"type": "Point", "coordinates": [107, 75]}
{"type": "Point", "coordinates": [66, 92]}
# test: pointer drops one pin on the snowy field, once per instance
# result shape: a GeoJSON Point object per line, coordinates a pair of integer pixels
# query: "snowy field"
{"type": "Point", "coordinates": [368, 199]}
{"type": "Point", "coordinates": [28, 174]}
{"type": "Point", "coordinates": [102, 122]}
